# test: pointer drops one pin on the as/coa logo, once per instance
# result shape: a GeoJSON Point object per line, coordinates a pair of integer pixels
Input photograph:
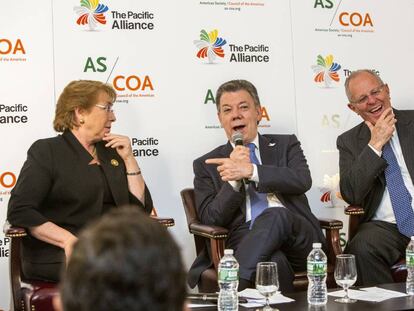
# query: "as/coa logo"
{"type": "Point", "coordinates": [326, 71]}
{"type": "Point", "coordinates": [91, 12]}
{"type": "Point", "coordinates": [210, 45]}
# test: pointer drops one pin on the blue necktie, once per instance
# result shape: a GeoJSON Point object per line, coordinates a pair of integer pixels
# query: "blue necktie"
{"type": "Point", "coordinates": [258, 201]}
{"type": "Point", "coordinates": [400, 197]}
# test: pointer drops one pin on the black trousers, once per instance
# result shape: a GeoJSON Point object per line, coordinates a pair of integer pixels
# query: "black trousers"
{"type": "Point", "coordinates": [49, 272]}
{"type": "Point", "coordinates": [377, 245]}
{"type": "Point", "coordinates": [277, 235]}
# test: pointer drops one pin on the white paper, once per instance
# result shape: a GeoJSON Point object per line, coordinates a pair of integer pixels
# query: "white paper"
{"type": "Point", "coordinates": [374, 294]}
{"type": "Point", "coordinates": [255, 299]}
{"type": "Point", "coordinates": [199, 305]}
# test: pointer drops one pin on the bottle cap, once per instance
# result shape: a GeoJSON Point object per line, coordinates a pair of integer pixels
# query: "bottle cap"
{"type": "Point", "coordinates": [316, 245]}
{"type": "Point", "coordinates": [228, 251]}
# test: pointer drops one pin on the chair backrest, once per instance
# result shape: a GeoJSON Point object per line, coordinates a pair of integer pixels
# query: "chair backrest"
{"type": "Point", "coordinates": [15, 236]}
{"type": "Point", "coordinates": [188, 199]}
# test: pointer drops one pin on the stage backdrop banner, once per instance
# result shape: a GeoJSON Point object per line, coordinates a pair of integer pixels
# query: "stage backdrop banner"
{"type": "Point", "coordinates": [332, 39]}
{"type": "Point", "coordinates": [26, 98]}
{"type": "Point", "coordinates": [166, 60]}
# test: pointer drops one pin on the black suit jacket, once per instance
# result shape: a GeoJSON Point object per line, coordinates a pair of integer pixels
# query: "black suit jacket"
{"type": "Point", "coordinates": [284, 172]}
{"type": "Point", "coordinates": [362, 171]}
{"type": "Point", "coordinates": [57, 184]}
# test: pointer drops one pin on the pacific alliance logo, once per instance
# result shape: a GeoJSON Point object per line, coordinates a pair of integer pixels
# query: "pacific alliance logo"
{"type": "Point", "coordinates": [210, 45]}
{"type": "Point", "coordinates": [91, 12]}
{"type": "Point", "coordinates": [326, 71]}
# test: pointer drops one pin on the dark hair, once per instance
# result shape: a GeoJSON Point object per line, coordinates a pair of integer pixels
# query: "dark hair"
{"type": "Point", "coordinates": [356, 73]}
{"type": "Point", "coordinates": [124, 261]}
{"type": "Point", "coordinates": [234, 86]}
{"type": "Point", "coordinates": [81, 93]}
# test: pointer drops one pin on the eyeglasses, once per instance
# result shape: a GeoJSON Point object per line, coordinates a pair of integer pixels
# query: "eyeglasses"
{"type": "Point", "coordinates": [364, 99]}
{"type": "Point", "coordinates": [108, 108]}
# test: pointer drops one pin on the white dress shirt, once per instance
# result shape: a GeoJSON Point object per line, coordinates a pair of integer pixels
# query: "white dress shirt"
{"type": "Point", "coordinates": [385, 211]}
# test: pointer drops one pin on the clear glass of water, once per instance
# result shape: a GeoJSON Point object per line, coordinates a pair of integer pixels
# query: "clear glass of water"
{"type": "Point", "coordinates": [345, 275]}
{"type": "Point", "coordinates": [267, 281]}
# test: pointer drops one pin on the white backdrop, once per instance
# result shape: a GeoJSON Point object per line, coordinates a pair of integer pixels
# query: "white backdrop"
{"type": "Point", "coordinates": [165, 103]}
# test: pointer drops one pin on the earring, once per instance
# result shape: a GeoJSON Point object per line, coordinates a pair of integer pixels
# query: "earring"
{"type": "Point", "coordinates": [81, 121]}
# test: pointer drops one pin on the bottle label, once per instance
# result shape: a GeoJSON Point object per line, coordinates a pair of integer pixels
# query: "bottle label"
{"type": "Point", "coordinates": [317, 268]}
{"type": "Point", "coordinates": [409, 259]}
{"type": "Point", "coordinates": [229, 275]}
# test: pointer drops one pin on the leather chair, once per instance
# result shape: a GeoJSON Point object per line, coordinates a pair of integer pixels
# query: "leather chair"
{"type": "Point", "coordinates": [399, 269]}
{"type": "Point", "coordinates": [216, 236]}
{"type": "Point", "coordinates": [32, 295]}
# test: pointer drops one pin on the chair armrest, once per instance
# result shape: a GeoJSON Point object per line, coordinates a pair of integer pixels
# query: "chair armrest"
{"type": "Point", "coordinates": [332, 227]}
{"type": "Point", "coordinates": [15, 232]}
{"type": "Point", "coordinates": [217, 236]}
{"type": "Point", "coordinates": [354, 210]}
{"type": "Point", "coordinates": [330, 224]}
{"type": "Point", "coordinates": [165, 221]}
{"type": "Point", "coordinates": [210, 232]}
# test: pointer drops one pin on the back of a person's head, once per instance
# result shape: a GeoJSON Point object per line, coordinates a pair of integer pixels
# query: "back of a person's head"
{"type": "Point", "coordinates": [124, 261]}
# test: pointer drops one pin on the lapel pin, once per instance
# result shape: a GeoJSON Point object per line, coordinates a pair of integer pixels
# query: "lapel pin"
{"type": "Point", "coordinates": [272, 144]}
{"type": "Point", "coordinates": [114, 162]}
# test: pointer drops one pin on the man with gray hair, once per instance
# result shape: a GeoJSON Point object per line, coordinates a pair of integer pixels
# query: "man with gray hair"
{"type": "Point", "coordinates": [376, 160]}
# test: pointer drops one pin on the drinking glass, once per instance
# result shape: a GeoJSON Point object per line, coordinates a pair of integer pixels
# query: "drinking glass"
{"type": "Point", "coordinates": [345, 275]}
{"type": "Point", "coordinates": [267, 281]}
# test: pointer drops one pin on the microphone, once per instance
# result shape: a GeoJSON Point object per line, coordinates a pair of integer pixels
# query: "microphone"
{"type": "Point", "coordinates": [237, 139]}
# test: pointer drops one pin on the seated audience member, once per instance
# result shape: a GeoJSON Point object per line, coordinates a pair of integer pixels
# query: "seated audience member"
{"type": "Point", "coordinates": [73, 178]}
{"type": "Point", "coordinates": [256, 190]}
{"type": "Point", "coordinates": [124, 261]}
{"type": "Point", "coordinates": [376, 161]}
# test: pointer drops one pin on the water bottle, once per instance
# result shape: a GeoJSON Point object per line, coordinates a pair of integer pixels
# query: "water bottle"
{"type": "Point", "coordinates": [317, 266]}
{"type": "Point", "coordinates": [409, 261]}
{"type": "Point", "coordinates": [228, 280]}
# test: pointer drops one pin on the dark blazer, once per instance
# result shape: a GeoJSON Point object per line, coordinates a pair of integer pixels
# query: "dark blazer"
{"type": "Point", "coordinates": [57, 184]}
{"type": "Point", "coordinates": [284, 172]}
{"type": "Point", "coordinates": [362, 171]}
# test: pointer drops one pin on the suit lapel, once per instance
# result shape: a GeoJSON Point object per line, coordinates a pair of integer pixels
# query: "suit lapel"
{"type": "Point", "coordinates": [364, 137]}
{"type": "Point", "coordinates": [405, 128]}
{"type": "Point", "coordinates": [268, 150]}
{"type": "Point", "coordinates": [226, 150]}
{"type": "Point", "coordinates": [76, 146]}
{"type": "Point", "coordinates": [113, 168]}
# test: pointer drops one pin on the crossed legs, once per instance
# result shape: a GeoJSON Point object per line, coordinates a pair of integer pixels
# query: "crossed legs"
{"type": "Point", "coordinates": [277, 235]}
